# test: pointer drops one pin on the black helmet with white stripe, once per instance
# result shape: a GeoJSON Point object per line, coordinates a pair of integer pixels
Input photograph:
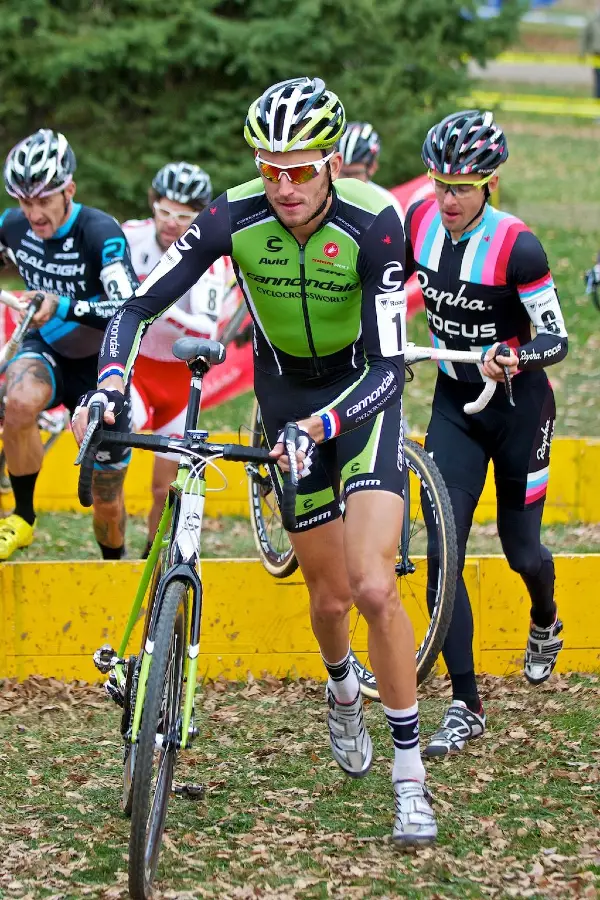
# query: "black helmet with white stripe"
{"type": "Point", "coordinates": [184, 183]}
{"type": "Point", "coordinates": [359, 144]}
{"type": "Point", "coordinates": [297, 114]}
{"type": "Point", "coordinates": [465, 142]}
{"type": "Point", "coordinates": [40, 165]}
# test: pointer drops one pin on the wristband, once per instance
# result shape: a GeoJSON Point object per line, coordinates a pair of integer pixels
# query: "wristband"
{"type": "Point", "coordinates": [326, 426]}
{"type": "Point", "coordinates": [107, 371]}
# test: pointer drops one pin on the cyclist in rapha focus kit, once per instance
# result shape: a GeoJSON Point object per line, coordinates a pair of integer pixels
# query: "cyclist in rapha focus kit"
{"type": "Point", "coordinates": [321, 264]}
{"type": "Point", "coordinates": [77, 257]}
{"type": "Point", "coordinates": [485, 280]}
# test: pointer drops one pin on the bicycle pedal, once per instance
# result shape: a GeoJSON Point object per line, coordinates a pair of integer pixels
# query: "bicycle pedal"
{"type": "Point", "coordinates": [190, 791]}
{"type": "Point", "coordinates": [105, 659]}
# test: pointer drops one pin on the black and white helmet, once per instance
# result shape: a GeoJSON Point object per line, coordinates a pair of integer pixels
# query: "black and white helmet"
{"type": "Point", "coordinates": [184, 183]}
{"type": "Point", "coordinates": [359, 144]}
{"type": "Point", "coordinates": [40, 165]}
{"type": "Point", "coordinates": [465, 142]}
{"type": "Point", "coordinates": [297, 114]}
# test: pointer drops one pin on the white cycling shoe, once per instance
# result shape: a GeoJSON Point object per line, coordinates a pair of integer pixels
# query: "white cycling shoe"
{"type": "Point", "coordinates": [414, 825]}
{"type": "Point", "coordinates": [543, 647]}
{"type": "Point", "coordinates": [348, 736]}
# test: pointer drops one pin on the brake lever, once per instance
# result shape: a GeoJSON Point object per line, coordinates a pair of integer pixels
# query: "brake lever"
{"type": "Point", "coordinates": [90, 431]}
{"type": "Point", "coordinates": [504, 350]}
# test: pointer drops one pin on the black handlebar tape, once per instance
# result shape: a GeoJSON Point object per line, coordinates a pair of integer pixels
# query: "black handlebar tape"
{"type": "Point", "coordinates": [240, 453]}
{"type": "Point", "coordinates": [37, 301]}
{"type": "Point", "coordinates": [290, 479]}
{"type": "Point", "coordinates": [86, 472]}
{"type": "Point", "coordinates": [157, 442]}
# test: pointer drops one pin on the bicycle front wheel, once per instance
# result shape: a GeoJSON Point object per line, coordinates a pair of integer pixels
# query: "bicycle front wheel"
{"type": "Point", "coordinates": [270, 537]}
{"type": "Point", "coordinates": [426, 587]}
{"type": "Point", "coordinates": [159, 741]}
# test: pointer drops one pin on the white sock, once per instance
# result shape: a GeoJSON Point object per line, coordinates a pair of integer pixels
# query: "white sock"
{"type": "Point", "coordinates": [343, 680]}
{"type": "Point", "coordinates": [404, 725]}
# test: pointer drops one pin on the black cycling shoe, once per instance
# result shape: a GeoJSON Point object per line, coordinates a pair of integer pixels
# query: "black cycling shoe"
{"type": "Point", "coordinates": [458, 726]}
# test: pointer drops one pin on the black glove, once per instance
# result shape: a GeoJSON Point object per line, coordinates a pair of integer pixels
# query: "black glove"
{"type": "Point", "coordinates": [113, 401]}
{"type": "Point", "coordinates": [306, 445]}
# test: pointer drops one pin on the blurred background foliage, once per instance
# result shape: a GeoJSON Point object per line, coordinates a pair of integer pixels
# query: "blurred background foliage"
{"type": "Point", "coordinates": [133, 83]}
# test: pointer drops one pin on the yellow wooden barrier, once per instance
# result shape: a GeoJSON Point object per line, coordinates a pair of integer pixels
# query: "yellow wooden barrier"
{"type": "Point", "coordinates": [54, 615]}
{"type": "Point", "coordinates": [538, 104]}
{"type": "Point", "coordinates": [573, 495]}
{"type": "Point", "coordinates": [549, 59]}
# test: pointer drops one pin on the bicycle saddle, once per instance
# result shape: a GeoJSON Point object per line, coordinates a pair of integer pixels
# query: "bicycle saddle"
{"type": "Point", "coordinates": [189, 348]}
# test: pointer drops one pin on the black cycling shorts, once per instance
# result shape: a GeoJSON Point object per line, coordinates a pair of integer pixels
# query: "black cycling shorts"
{"type": "Point", "coordinates": [70, 379]}
{"type": "Point", "coordinates": [517, 438]}
{"type": "Point", "coordinates": [369, 458]}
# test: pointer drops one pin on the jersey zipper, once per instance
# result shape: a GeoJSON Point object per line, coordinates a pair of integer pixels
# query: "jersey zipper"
{"type": "Point", "coordinates": [309, 335]}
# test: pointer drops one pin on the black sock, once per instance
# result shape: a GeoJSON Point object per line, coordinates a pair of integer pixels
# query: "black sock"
{"type": "Point", "coordinates": [338, 671]}
{"type": "Point", "coordinates": [464, 687]}
{"type": "Point", "coordinates": [112, 552]}
{"type": "Point", "coordinates": [23, 487]}
{"type": "Point", "coordinates": [146, 551]}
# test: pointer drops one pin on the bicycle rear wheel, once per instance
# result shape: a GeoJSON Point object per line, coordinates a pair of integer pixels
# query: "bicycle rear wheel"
{"type": "Point", "coordinates": [159, 741]}
{"type": "Point", "coordinates": [270, 537]}
{"type": "Point", "coordinates": [427, 508]}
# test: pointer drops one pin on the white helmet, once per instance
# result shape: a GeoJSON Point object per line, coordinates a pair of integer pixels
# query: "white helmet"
{"type": "Point", "coordinates": [184, 183]}
{"type": "Point", "coordinates": [40, 165]}
{"type": "Point", "coordinates": [298, 114]}
{"type": "Point", "coordinates": [359, 144]}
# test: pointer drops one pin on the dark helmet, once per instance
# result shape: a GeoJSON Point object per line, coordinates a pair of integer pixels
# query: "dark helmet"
{"type": "Point", "coordinates": [359, 144]}
{"type": "Point", "coordinates": [39, 165]}
{"type": "Point", "coordinates": [465, 142]}
{"type": "Point", "coordinates": [184, 183]}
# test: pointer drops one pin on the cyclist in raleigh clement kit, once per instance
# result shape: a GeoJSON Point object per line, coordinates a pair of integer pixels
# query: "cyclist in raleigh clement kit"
{"type": "Point", "coordinates": [321, 265]}
{"type": "Point", "coordinates": [77, 257]}
{"type": "Point", "coordinates": [485, 280]}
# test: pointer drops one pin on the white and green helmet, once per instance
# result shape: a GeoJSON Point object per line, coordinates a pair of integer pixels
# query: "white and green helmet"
{"type": "Point", "coordinates": [298, 114]}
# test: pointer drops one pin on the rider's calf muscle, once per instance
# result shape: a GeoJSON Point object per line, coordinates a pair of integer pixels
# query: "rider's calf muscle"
{"type": "Point", "coordinates": [107, 486]}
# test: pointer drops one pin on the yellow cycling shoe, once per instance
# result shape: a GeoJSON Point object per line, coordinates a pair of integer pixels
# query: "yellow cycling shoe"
{"type": "Point", "coordinates": [15, 533]}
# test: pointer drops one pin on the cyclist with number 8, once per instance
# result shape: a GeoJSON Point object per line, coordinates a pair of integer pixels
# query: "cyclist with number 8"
{"type": "Point", "coordinates": [486, 283]}
{"type": "Point", "coordinates": [159, 392]}
{"type": "Point", "coordinates": [321, 265]}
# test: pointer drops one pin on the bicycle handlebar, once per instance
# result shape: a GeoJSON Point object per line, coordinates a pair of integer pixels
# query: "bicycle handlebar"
{"type": "Point", "coordinates": [95, 437]}
{"type": "Point", "coordinates": [87, 453]}
{"type": "Point", "coordinates": [290, 479]}
{"type": "Point", "coordinates": [12, 345]}
{"type": "Point", "coordinates": [414, 354]}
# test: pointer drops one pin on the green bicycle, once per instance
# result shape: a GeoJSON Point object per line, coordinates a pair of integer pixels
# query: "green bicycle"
{"type": "Point", "coordinates": [156, 687]}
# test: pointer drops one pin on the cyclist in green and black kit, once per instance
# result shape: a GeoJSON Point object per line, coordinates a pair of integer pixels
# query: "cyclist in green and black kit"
{"type": "Point", "coordinates": [322, 270]}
